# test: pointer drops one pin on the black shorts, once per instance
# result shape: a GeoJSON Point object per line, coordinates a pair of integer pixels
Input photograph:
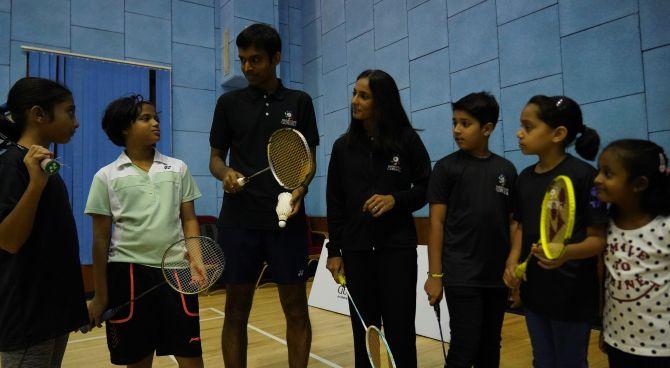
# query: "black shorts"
{"type": "Point", "coordinates": [284, 250]}
{"type": "Point", "coordinates": [163, 321]}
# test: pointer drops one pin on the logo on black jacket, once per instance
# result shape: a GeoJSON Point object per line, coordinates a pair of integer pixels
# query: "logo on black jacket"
{"type": "Point", "coordinates": [500, 188]}
{"type": "Point", "coordinates": [288, 119]}
{"type": "Point", "coordinates": [395, 164]}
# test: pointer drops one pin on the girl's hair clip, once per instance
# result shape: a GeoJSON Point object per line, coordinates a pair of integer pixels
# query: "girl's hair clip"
{"type": "Point", "coordinates": [560, 102]}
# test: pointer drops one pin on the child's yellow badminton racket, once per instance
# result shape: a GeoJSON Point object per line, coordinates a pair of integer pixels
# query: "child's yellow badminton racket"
{"type": "Point", "coordinates": [557, 220]}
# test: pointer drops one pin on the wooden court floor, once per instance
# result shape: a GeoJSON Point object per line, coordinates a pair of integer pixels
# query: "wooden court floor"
{"type": "Point", "coordinates": [331, 339]}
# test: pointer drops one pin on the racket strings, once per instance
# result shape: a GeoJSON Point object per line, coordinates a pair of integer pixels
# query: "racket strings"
{"type": "Point", "coordinates": [193, 265]}
{"type": "Point", "coordinates": [557, 226]}
{"type": "Point", "coordinates": [289, 158]}
{"type": "Point", "coordinates": [378, 351]}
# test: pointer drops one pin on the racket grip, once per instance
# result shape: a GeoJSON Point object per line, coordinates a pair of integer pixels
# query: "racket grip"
{"type": "Point", "coordinates": [341, 280]}
{"type": "Point", "coordinates": [109, 313]}
{"type": "Point", "coordinates": [242, 181]}
{"type": "Point", "coordinates": [50, 166]}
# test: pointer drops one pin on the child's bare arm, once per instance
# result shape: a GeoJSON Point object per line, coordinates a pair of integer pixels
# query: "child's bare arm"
{"type": "Point", "coordinates": [189, 221]}
{"type": "Point", "coordinates": [102, 232]}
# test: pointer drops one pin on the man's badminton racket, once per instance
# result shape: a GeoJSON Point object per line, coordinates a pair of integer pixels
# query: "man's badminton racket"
{"type": "Point", "coordinates": [289, 159]}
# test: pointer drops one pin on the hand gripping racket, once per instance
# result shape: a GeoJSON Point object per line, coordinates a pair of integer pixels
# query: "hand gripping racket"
{"type": "Point", "coordinates": [557, 220]}
{"type": "Point", "coordinates": [289, 159]}
{"type": "Point", "coordinates": [49, 165]}
{"type": "Point", "coordinates": [189, 266]}
{"type": "Point", "coordinates": [376, 345]}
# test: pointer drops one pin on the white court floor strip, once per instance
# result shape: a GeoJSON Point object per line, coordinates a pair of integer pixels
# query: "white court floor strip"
{"type": "Point", "coordinates": [282, 341]}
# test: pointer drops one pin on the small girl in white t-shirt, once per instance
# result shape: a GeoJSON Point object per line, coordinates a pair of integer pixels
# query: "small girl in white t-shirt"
{"type": "Point", "coordinates": [634, 178]}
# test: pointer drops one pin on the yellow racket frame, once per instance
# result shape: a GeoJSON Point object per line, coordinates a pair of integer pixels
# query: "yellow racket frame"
{"type": "Point", "coordinates": [549, 251]}
{"type": "Point", "coordinates": [552, 251]}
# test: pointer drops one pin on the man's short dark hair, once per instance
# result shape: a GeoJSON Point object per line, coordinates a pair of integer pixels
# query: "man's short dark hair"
{"type": "Point", "coordinates": [481, 105]}
{"type": "Point", "coordinates": [262, 37]}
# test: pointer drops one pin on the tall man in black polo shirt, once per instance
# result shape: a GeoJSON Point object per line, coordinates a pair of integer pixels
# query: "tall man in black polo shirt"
{"type": "Point", "coordinates": [248, 231]}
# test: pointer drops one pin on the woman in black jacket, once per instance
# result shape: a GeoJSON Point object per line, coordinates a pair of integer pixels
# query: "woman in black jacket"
{"type": "Point", "coordinates": [377, 176]}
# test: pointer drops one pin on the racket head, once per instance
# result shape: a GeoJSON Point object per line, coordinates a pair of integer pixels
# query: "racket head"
{"type": "Point", "coordinates": [289, 157]}
{"type": "Point", "coordinates": [193, 264]}
{"type": "Point", "coordinates": [557, 218]}
{"type": "Point", "coordinates": [378, 349]}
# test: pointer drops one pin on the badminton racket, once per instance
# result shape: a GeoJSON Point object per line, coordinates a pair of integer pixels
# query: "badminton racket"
{"type": "Point", "coordinates": [439, 324]}
{"type": "Point", "coordinates": [289, 159]}
{"type": "Point", "coordinates": [557, 220]}
{"type": "Point", "coordinates": [189, 266]}
{"type": "Point", "coordinates": [376, 345]}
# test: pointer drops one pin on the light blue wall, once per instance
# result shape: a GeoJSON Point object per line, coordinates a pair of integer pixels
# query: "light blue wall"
{"type": "Point", "coordinates": [612, 56]}
{"type": "Point", "coordinates": [181, 34]}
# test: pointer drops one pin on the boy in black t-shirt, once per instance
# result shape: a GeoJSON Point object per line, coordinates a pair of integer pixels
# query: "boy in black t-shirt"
{"type": "Point", "coordinates": [470, 196]}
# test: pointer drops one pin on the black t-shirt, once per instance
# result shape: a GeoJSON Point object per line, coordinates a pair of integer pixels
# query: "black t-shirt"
{"type": "Point", "coordinates": [569, 293]}
{"type": "Point", "coordinates": [243, 122]}
{"type": "Point", "coordinates": [41, 287]}
{"type": "Point", "coordinates": [478, 193]}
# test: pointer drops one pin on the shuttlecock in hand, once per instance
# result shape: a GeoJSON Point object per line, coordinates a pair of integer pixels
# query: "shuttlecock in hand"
{"type": "Point", "coordinates": [283, 207]}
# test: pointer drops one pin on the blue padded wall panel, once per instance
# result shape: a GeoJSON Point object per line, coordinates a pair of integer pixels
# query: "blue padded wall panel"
{"type": "Point", "coordinates": [436, 134]}
{"type": "Point", "coordinates": [473, 36]}
{"type": "Point", "coordinates": [657, 82]}
{"type": "Point", "coordinates": [360, 55]}
{"type": "Point", "coordinates": [530, 47]}
{"type": "Point", "coordinates": [390, 18]}
{"type": "Point", "coordinates": [577, 15]}
{"type": "Point", "coordinates": [430, 80]}
{"type": "Point", "coordinates": [332, 14]}
{"type": "Point", "coordinates": [393, 60]}
{"type": "Point", "coordinates": [96, 42]}
{"type": "Point", "coordinates": [427, 28]}
{"type": "Point", "coordinates": [614, 66]}
{"type": "Point", "coordinates": [654, 15]}
{"type": "Point", "coordinates": [358, 16]}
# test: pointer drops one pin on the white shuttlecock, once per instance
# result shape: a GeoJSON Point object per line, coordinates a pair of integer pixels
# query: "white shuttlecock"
{"type": "Point", "coordinates": [283, 207]}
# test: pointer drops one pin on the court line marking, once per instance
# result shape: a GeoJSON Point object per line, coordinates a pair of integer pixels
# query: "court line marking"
{"type": "Point", "coordinates": [220, 316]}
{"type": "Point", "coordinates": [281, 341]}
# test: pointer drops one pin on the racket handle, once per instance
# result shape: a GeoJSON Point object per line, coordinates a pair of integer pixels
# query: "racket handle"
{"type": "Point", "coordinates": [520, 269]}
{"type": "Point", "coordinates": [242, 181]}
{"type": "Point", "coordinates": [341, 279]}
{"type": "Point", "coordinates": [109, 313]}
{"type": "Point", "coordinates": [50, 166]}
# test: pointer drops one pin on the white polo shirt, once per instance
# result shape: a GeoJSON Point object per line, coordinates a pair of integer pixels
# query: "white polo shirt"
{"type": "Point", "coordinates": [144, 206]}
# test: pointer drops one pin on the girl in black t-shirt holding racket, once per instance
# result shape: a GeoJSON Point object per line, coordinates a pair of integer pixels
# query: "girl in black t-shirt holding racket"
{"type": "Point", "coordinates": [40, 275]}
{"type": "Point", "coordinates": [559, 295]}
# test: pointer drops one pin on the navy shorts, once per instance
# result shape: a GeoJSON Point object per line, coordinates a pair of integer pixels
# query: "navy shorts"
{"type": "Point", "coordinates": [285, 251]}
{"type": "Point", "coordinates": [163, 321]}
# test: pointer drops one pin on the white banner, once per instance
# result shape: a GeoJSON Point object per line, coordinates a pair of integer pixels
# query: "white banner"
{"type": "Point", "coordinates": [327, 294]}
